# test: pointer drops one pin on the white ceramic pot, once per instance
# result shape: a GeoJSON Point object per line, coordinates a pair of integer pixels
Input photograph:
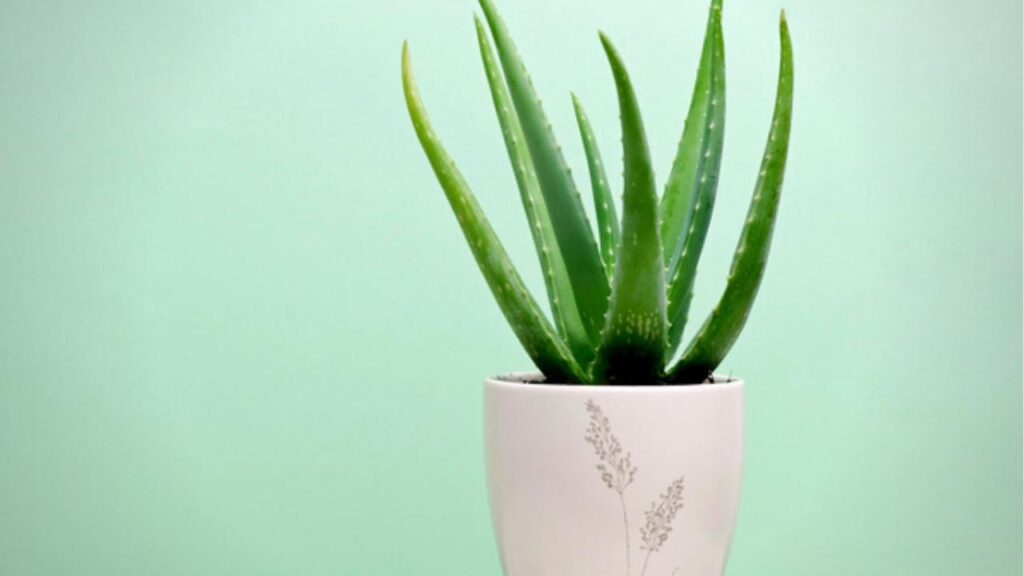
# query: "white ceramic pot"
{"type": "Point", "coordinates": [613, 480]}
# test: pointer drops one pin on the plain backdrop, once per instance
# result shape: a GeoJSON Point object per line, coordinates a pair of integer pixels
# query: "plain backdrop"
{"type": "Point", "coordinates": [240, 332]}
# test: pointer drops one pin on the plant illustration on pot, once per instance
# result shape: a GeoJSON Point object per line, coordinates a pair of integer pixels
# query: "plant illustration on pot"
{"type": "Point", "coordinates": [617, 472]}
{"type": "Point", "coordinates": [659, 519]}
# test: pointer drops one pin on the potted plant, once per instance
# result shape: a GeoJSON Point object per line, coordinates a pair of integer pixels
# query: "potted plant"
{"type": "Point", "coordinates": [664, 435]}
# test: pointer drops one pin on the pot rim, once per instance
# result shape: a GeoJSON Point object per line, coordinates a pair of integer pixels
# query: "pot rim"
{"type": "Point", "coordinates": [522, 381]}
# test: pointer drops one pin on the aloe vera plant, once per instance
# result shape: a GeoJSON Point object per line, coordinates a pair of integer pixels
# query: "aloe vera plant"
{"type": "Point", "coordinates": [620, 301]}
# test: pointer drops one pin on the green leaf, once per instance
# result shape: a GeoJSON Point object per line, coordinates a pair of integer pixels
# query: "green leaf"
{"type": "Point", "coordinates": [723, 326]}
{"type": "Point", "coordinates": [556, 276]}
{"type": "Point", "coordinates": [575, 237]}
{"type": "Point", "coordinates": [634, 339]}
{"type": "Point", "coordinates": [694, 178]}
{"type": "Point", "coordinates": [604, 206]}
{"type": "Point", "coordinates": [549, 353]}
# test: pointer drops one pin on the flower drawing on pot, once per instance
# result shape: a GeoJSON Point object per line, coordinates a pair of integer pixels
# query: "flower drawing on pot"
{"type": "Point", "coordinates": [616, 469]}
{"type": "Point", "coordinates": [617, 472]}
{"type": "Point", "coordinates": [659, 519]}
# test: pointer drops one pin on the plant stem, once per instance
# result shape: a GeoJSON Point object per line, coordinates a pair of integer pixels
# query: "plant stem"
{"type": "Point", "coordinates": [625, 523]}
{"type": "Point", "coordinates": [646, 559]}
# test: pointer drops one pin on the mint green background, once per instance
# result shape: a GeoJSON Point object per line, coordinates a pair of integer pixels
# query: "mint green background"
{"type": "Point", "coordinates": [240, 332]}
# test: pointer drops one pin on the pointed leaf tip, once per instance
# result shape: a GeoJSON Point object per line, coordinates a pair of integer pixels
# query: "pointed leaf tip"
{"type": "Point", "coordinates": [722, 328]}
{"type": "Point", "coordinates": [604, 205]}
{"type": "Point", "coordinates": [548, 351]}
{"type": "Point", "coordinates": [407, 79]}
{"type": "Point", "coordinates": [556, 277]}
{"type": "Point", "coordinates": [689, 198]}
{"type": "Point", "coordinates": [574, 234]}
{"type": "Point", "coordinates": [633, 341]}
